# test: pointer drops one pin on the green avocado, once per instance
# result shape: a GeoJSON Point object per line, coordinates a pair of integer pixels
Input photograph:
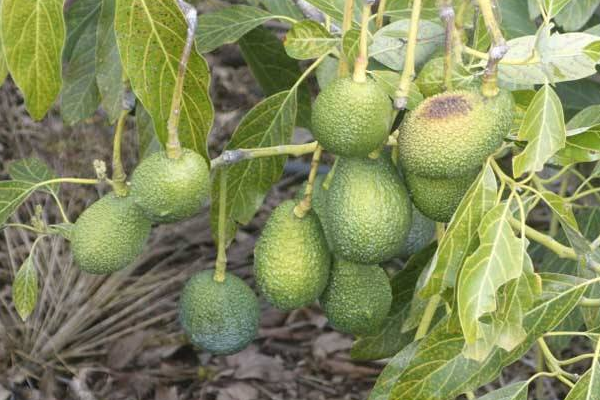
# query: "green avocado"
{"type": "Point", "coordinates": [370, 213]}
{"type": "Point", "coordinates": [438, 198]}
{"type": "Point", "coordinates": [291, 258]}
{"type": "Point", "coordinates": [352, 119]}
{"type": "Point", "coordinates": [431, 77]}
{"type": "Point", "coordinates": [171, 189]}
{"type": "Point", "coordinates": [451, 134]}
{"type": "Point", "coordinates": [358, 297]}
{"type": "Point", "coordinates": [219, 317]}
{"type": "Point", "coordinates": [109, 235]}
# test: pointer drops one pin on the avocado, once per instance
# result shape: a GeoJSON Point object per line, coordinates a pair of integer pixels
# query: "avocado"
{"type": "Point", "coordinates": [452, 133]}
{"type": "Point", "coordinates": [291, 258]}
{"type": "Point", "coordinates": [219, 317]}
{"type": "Point", "coordinates": [370, 213]}
{"type": "Point", "coordinates": [420, 235]}
{"type": "Point", "coordinates": [109, 235]}
{"type": "Point", "coordinates": [431, 77]}
{"type": "Point", "coordinates": [352, 119]}
{"type": "Point", "coordinates": [171, 189]}
{"type": "Point", "coordinates": [438, 198]}
{"type": "Point", "coordinates": [358, 297]}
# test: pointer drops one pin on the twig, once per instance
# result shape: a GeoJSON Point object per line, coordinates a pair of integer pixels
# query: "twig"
{"type": "Point", "coordinates": [305, 205]}
{"type": "Point", "coordinates": [498, 49]}
{"type": "Point", "coordinates": [447, 15]}
{"type": "Point", "coordinates": [408, 73]}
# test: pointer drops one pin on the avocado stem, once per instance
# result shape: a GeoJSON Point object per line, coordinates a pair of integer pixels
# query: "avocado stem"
{"type": "Point", "coordinates": [221, 263]}
{"type": "Point", "coordinates": [380, 14]}
{"type": "Point", "coordinates": [489, 87]}
{"type": "Point", "coordinates": [173, 145]}
{"type": "Point", "coordinates": [343, 69]}
{"type": "Point", "coordinates": [118, 175]}
{"type": "Point", "coordinates": [305, 204]}
{"type": "Point", "coordinates": [330, 175]}
{"type": "Point", "coordinates": [229, 157]}
{"type": "Point", "coordinates": [360, 65]}
{"type": "Point", "coordinates": [408, 73]}
{"type": "Point", "coordinates": [447, 15]}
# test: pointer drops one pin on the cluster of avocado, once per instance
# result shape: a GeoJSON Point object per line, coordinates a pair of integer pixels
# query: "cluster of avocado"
{"type": "Point", "coordinates": [111, 233]}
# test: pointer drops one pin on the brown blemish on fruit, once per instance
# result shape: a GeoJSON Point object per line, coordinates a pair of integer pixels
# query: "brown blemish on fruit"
{"type": "Point", "coordinates": [447, 105]}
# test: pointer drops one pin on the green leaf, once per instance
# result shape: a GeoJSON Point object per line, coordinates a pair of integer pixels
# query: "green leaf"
{"type": "Point", "coordinates": [544, 129]}
{"type": "Point", "coordinates": [576, 14]}
{"type": "Point", "coordinates": [308, 39]}
{"type": "Point", "coordinates": [388, 81]}
{"type": "Point", "coordinates": [227, 25]}
{"type": "Point", "coordinates": [387, 378]}
{"type": "Point", "coordinates": [33, 35]}
{"type": "Point", "coordinates": [401, 9]}
{"type": "Point", "coordinates": [33, 171]}
{"type": "Point", "coordinates": [389, 43]}
{"type": "Point", "coordinates": [151, 36]}
{"type": "Point", "coordinates": [12, 195]}
{"type": "Point", "coordinates": [498, 259]}
{"type": "Point", "coordinates": [25, 288]}
{"type": "Point", "coordinates": [109, 71]}
{"type": "Point", "coordinates": [515, 19]}
{"type": "Point", "coordinates": [327, 71]}
{"type": "Point", "coordinates": [514, 391]}
{"type": "Point", "coordinates": [577, 95]}
{"type": "Point", "coordinates": [563, 57]}
{"type": "Point", "coordinates": [283, 7]}
{"type": "Point", "coordinates": [3, 66]}
{"type": "Point", "coordinates": [147, 139]}
{"type": "Point", "coordinates": [388, 341]}
{"type": "Point", "coordinates": [438, 370]}
{"type": "Point", "coordinates": [583, 147]}
{"type": "Point", "coordinates": [80, 96]}
{"type": "Point", "coordinates": [335, 9]}
{"type": "Point", "coordinates": [588, 386]}
{"type": "Point", "coordinates": [461, 235]}
{"type": "Point", "coordinates": [351, 45]}
{"type": "Point", "coordinates": [269, 123]}
{"type": "Point", "coordinates": [274, 70]}
{"type": "Point", "coordinates": [553, 7]}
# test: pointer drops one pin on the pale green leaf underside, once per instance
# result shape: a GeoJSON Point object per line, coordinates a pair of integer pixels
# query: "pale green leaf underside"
{"type": "Point", "coordinates": [33, 35]}
{"type": "Point", "coordinates": [553, 7]}
{"type": "Point", "coordinates": [227, 26]}
{"type": "Point", "coordinates": [151, 36]}
{"type": "Point", "coordinates": [269, 123]}
{"type": "Point", "coordinates": [543, 128]}
{"type": "Point", "coordinates": [588, 386]}
{"type": "Point", "coordinates": [308, 39]}
{"type": "Point", "coordinates": [12, 195]}
{"type": "Point", "coordinates": [33, 171]}
{"type": "Point", "coordinates": [514, 391]}
{"type": "Point", "coordinates": [25, 289]}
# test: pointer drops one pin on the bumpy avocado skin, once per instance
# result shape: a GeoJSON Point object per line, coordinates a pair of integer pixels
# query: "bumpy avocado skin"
{"type": "Point", "coordinates": [109, 235]}
{"type": "Point", "coordinates": [352, 119]}
{"type": "Point", "coordinates": [438, 198]}
{"type": "Point", "coordinates": [370, 213]}
{"type": "Point", "coordinates": [431, 77]}
{"type": "Point", "coordinates": [291, 258]}
{"type": "Point", "coordinates": [171, 190]}
{"type": "Point", "coordinates": [420, 235]}
{"type": "Point", "coordinates": [357, 298]}
{"type": "Point", "coordinates": [452, 133]}
{"type": "Point", "coordinates": [219, 317]}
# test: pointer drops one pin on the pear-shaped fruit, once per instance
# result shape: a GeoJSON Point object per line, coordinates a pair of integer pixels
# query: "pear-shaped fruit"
{"type": "Point", "coordinates": [291, 259]}
{"type": "Point", "coordinates": [357, 298]}
{"type": "Point", "coordinates": [219, 317]}
{"type": "Point", "coordinates": [370, 213]}
{"type": "Point", "coordinates": [352, 118]}
{"type": "Point", "coordinates": [109, 235]}
{"type": "Point", "coordinates": [171, 189]}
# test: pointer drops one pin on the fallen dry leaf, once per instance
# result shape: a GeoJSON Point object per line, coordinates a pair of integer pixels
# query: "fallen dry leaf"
{"type": "Point", "coordinates": [238, 391]}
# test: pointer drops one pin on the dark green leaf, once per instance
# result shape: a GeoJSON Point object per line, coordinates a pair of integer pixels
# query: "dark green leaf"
{"type": "Point", "coordinates": [283, 7]}
{"type": "Point", "coordinates": [80, 96]}
{"type": "Point", "coordinates": [151, 36]}
{"type": "Point", "coordinates": [515, 19]}
{"type": "Point", "coordinates": [227, 25]}
{"type": "Point", "coordinates": [25, 288]}
{"type": "Point", "coordinates": [576, 14]}
{"type": "Point", "coordinates": [308, 39]}
{"type": "Point", "coordinates": [577, 95]}
{"type": "Point", "coordinates": [274, 70]}
{"type": "Point", "coordinates": [269, 123]}
{"type": "Point", "coordinates": [33, 35]}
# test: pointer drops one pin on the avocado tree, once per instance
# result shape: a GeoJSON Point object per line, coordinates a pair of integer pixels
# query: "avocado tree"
{"type": "Point", "coordinates": [447, 122]}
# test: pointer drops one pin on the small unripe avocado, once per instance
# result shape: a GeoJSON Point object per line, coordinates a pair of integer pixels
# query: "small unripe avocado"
{"type": "Point", "coordinates": [452, 133]}
{"type": "Point", "coordinates": [109, 235]}
{"type": "Point", "coordinates": [420, 235]}
{"type": "Point", "coordinates": [370, 213]}
{"type": "Point", "coordinates": [431, 77]}
{"type": "Point", "coordinates": [357, 298]}
{"type": "Point", "coordinates": [351, 118]}
{"type": "Point", "coordinates": [291, 258]}
{"type": "Point", "coordinates": [171, 189]}
{"type": "Point", "coordinates": [219, 317]}
{"type": "Point", "coordinates": [438, 198]}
